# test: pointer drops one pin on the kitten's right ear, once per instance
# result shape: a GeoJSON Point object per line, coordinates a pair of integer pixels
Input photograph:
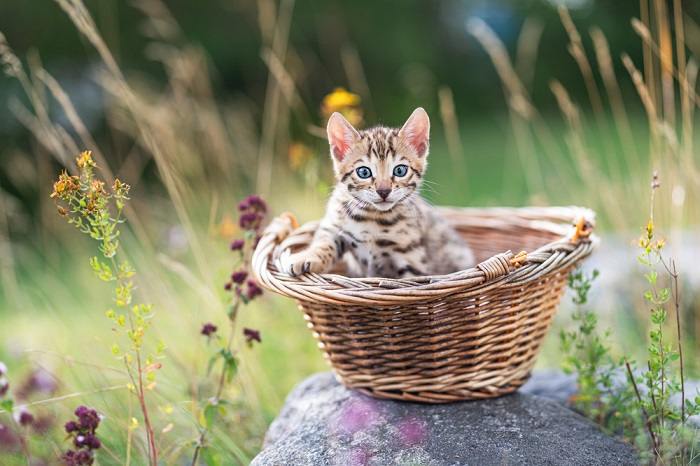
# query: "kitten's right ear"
{"type": "Point", "coordinates": [341, 136]}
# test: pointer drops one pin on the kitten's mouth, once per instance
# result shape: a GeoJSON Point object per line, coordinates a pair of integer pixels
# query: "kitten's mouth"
{"type": "Point", "coordinates": [384, 205]}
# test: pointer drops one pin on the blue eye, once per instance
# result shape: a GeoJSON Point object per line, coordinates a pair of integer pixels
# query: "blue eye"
{"type": "Point", "coordinates": [363, 172]}
{"type": "Point", "coordinates": [400, 170]}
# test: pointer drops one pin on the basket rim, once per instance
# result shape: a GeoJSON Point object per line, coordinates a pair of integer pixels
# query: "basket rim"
{"type": "Point", "coordinates": [572, 225]}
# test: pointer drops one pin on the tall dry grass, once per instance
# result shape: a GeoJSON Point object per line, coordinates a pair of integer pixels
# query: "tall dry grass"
{"type": "Point", "coordinates": [666, 82]}
{"type": "Point", "coordinates": [206, 153]}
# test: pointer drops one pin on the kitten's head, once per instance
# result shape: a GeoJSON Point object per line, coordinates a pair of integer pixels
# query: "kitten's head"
{"type": "Point", "coordinates": [380, 166]}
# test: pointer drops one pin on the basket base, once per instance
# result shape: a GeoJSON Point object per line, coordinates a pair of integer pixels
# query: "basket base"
{"type": "Point", "coordinates": [422, 392]}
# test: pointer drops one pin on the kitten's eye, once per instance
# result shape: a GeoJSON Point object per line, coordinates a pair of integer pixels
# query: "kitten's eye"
{"type": "Point", "coordinates": [363, 172]}
{"type": "Point", "coordinates": [400, 170]}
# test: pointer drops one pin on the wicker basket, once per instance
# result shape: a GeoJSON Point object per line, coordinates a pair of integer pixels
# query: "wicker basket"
{"type": "Point", "coordinates": [467, 335]}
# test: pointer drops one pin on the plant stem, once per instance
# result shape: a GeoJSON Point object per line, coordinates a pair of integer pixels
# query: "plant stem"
{"type": "Point", "coordinates": [644, 411]}
{"type": "Point", "coordinates": [222, 379]}
{"type": "Point", "coordinates": [676, 302]}
{"type": "Point", "coordinates": [152, 451]}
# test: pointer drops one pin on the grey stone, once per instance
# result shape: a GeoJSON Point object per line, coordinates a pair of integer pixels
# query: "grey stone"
{"type": "Point", "coordinates": [551, 384]}
{"type": "Point", "coordinates": [323, 423]}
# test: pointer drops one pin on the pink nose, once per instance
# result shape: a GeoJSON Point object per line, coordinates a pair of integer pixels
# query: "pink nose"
{"type": "Point", "coordinates": [384, 193]}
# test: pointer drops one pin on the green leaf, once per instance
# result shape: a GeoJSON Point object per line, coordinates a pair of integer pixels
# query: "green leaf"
{"type": "Point", "coordinates": [210, 413]}
{"type": "Point", "coordinates": [209, 458]}
{"type": "Point", "coordinates": [7, 404]}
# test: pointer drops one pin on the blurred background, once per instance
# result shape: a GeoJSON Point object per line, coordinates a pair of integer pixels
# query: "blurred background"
{"type": "Point", "coordinates": [197, 104]}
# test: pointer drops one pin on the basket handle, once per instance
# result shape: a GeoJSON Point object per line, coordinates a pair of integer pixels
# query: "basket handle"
{"type": "Point", "coordinates": [583, 227]}
{"type": "Point", "coordinates": [501, 264]}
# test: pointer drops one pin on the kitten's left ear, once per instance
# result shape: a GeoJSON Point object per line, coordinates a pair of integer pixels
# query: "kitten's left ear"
{"type": "Point", "coordinates": [416, 131]}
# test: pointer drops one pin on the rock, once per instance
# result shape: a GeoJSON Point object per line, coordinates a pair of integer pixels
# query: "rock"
{"type": "Point", "coordinates": [323, 423]}
{"type": "Point", "coordinates": [551, 384]}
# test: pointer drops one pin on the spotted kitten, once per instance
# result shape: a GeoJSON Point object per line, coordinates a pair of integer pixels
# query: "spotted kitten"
{"type": "Point", "coordinates": [375, 217]}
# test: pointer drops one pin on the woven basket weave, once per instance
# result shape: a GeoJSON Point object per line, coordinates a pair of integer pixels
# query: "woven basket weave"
{"type": "Point", "coordinates": [467, 335]}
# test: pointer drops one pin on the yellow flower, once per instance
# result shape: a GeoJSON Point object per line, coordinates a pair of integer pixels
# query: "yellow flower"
{"type": "Point", "coordinates": [227, 228]}
{"type": "Point", "coordinates": [98, 187]}
{"type": "Point", "coordinates": [299, 154]}
{"type": "Point", "coordinates": [64, 184]}
{"type": "Point", "coordinates": [344, 102]}
{"type": "Point", "coordinates": [85, 159]}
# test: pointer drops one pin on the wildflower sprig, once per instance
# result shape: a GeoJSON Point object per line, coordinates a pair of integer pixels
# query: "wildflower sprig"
{"type": "Point", "coordinates": [96, 210]}
{"type": "Point", "coordinates": [669, 438]}
{"type": "Point", "coordinates": [643, 411]}
{"type": "Point", "coordinates": [244, 289]}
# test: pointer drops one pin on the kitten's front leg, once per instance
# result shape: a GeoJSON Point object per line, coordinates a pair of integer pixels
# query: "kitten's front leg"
{"type": "Point", "coordinates": [412, 264]}
{"type": "Point", "coordinates": [319, 257]}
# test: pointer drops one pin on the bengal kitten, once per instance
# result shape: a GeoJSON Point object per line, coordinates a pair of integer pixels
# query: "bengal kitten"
{"type": "Point", "coordinates": [375, 218]}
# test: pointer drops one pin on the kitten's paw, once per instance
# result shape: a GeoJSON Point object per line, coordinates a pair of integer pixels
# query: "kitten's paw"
{"type": "Point", "coordinates": [303, 262]}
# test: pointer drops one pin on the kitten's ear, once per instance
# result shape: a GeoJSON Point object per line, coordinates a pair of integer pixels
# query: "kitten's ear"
{"type": "Point", "coordinates": [341, 136]}
{"type": "Point", "coordinates": [416, 131]}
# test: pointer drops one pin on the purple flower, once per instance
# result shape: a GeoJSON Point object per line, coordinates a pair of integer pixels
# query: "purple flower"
{"type": "Point", "coordinates": [237, 245]}
{"type": "Point", "coordinates": [228, 286]}
{"type": "Point", "coordinates": [40, 381]}
{"type": "Point", "coordinates": [8, 439]}
{"type": "Point", "coordinates": [253, 203]}
{"type": "Point", "coordinates": [71, 426]}
{"type": "Point", "coordinates": [239, 276]}
{"type": "Point", "coordinates": [92, 442]}
{"type": "Point", "coordinates": [253, 290]}
{"type": "Point", "coordinates": [250, 221]}
{"type": "Point", "coordinates": [79, 441]}
{"type": "Point", "coordinates": [88, 418]}
{"type": "Point", "coordinates": [24, 418]}
{"type": "Point", "coordinates": [4, 386]}
{"type": "Point", "coordinates": [208, 329]}
{"type": "Point", "coordinates": [78, 458]}
{"type": "Point", "coordinates": [84, 438]}
{"type": "Point", "coordinates": [251, 335]}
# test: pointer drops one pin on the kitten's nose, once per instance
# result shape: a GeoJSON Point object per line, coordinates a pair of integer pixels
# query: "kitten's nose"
{"type": "Point", "coordinates": [384, 193]}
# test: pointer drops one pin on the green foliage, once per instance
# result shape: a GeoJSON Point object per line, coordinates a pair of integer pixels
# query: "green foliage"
{"type": "Point", "coordinates": [587, 354]}
{"type": "Point", "coordinates": [244, 290]}
{"type": "Point", "coordinates": [97, 212]}
{"type": "Point", "coordinates": [670, 439]}
{"type": "Point", "coordinates": [647, 416]}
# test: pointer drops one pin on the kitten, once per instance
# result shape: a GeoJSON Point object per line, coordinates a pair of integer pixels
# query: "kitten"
{"type": "Point", "coordinates": [375, 214]}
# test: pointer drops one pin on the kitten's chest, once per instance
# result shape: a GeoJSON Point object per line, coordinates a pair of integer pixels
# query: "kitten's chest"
{"type": "Point", "coordinates": [380, 245]}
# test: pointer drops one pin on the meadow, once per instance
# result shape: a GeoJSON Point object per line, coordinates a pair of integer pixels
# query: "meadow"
{"type": "Point", "coordinates": [190, 156]}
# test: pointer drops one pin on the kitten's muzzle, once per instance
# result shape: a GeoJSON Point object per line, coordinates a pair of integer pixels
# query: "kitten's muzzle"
{"type": "Point", "coordinates": [384, 193]}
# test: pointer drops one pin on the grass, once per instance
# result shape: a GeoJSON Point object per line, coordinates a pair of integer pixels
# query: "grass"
{"type": "Point", "coordinates": [189, 155]}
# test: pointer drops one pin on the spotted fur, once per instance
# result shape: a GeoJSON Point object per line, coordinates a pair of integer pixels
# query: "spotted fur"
{"type": "Point", "coordinates": [380, 225]}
